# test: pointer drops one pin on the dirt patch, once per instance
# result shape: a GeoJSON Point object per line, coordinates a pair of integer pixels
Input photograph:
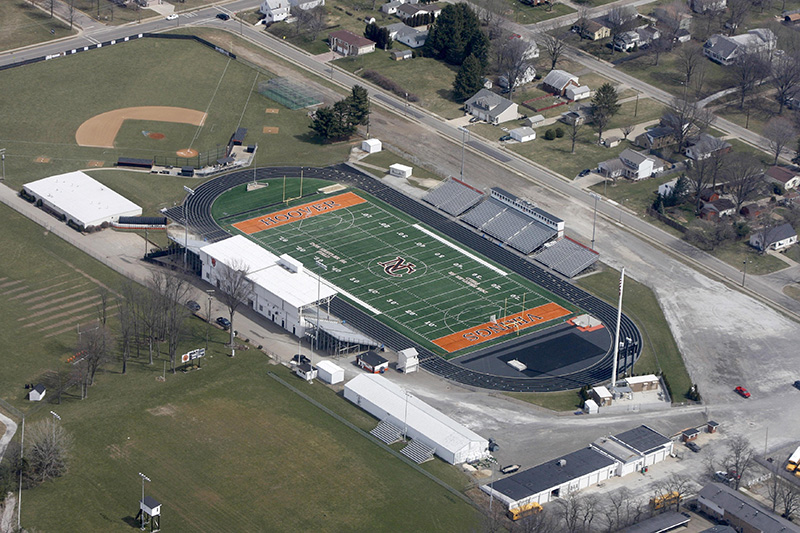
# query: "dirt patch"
{"type": "Point", "coordinates": [271, 110]}
{"type": "Point", "coordinates": [101, 130]}
{"type": "Point", "coordinates": [270, 129]}
{"type": "Point", "coordinates": [95, 163]}
{"type": "Point", "coordinates": [116, 451]}
{"type": "Point", "coordinates": [164, 410]}
{"type": "Point", "coordinates": [155, 135]}
{"type": "Point", "coordinates": [187, 152]}
{"type": "Point", "coordinates": [42, 159]}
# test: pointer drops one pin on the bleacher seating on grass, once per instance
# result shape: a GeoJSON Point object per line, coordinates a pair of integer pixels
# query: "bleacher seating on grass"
{"type": "Point", "coordinates": [453, 197]}
{"type": "Point", "coordinates": [567, 257]}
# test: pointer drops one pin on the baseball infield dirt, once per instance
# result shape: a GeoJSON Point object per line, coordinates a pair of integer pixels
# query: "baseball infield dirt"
{"type": "Point", "coordinates": [101, 130]}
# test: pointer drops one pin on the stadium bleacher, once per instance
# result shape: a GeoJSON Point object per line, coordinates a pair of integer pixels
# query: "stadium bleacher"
{"type": "Point", "coordinates": [453, 197]}
{"type": "Point", "coordinates": [483, 213]}
{"type": "Point", "coordinates": [567, 257]}
{"type": "Point", "coordinates": [532, 237]}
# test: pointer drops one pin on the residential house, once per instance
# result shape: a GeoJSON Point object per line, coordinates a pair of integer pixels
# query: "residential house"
{"type": "Point", "coordinates": [665, 189]}
{"type": "Point", "coordinates": [522, 79]}
{"type": "Point", "coordinates": [578, 116]}
{"type": "Point", "coordinates": [683, 36]}
{"type": "Point", "coordinates": [622, 15]}
{"type": "Point", "coordinates": [349, 44]}
{"type": "Point", "coordinates": [672, 18]}
{"type": "Point", "coordinates": [626, 41]}
{"type": "Point", "coordinates": [407, 11]}
{"type": "Point", "coordinates": [721, 207]}
{"type": "Point", "coordinates": [701, 6]}
{"type": "Point", "coordinates": [557, 81]}
{"type": "Point", "coordinates": [611, 142]}
{"type": "Point", "coordinates": [709, 195]}
{"type": "Point", "coordinates": [578, 93]}
{"type": "Point", "coordinates": [724, 50]}
{"type": "Point", "coordinates": [788, 178]}
{"type": "Point", "coordinates": [390, 8]}
{"type": "Point", "coordinates": [532, 52]}
{"type": "Point", "coordinates": [740, 511]}
{"type": "Point", "coordinates": [704, 146]}
{"type": "Point", "coordinates": [594, 31]}
{"type": "Point", "coordinates": [523, 134]}
{"type": "Point", "coordinates": [647, 34]}
{"type": "Point", "coordinates": [275, 10]}
{"type": "Point", "coordinates": [630, 164]}
{"type": "Point", "coordinates": [491, 107]}
{"type": "Point", "coordinates": [411, 37]}
{"type": "Point", "coordinates": [656, 138]}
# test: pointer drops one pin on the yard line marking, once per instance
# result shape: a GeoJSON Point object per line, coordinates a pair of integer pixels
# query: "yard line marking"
{"type": "Point", "coordinates": [459, 249]}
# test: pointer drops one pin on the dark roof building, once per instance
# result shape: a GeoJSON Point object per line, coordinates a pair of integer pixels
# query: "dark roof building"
{"type": "Point", "coordinates": [643, 439]}
{"type": "Point", "coordinates": [741, 512]}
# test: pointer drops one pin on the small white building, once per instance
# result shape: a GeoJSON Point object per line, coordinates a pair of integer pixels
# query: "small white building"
{"type": "Point", "coordinates": [408, 360]}
{"type": "Point", "coordinates": [590, 407]}
{"type": "Point", "coordinates": [401, 171]}
{"type": "Point", "coordinates": [535, 120]}
{"type": "Point", "coordinates": [306, 371]}
{"type": "Point", "coordinates": [371, 146]}
{"type": "Point", "coordinates": [275, 10]}
{"type": "Point", "coordinates": [578, 93]}
{"type": "Point", "coordinates": [384, 400]}
{"type": "Point", "coordinates": [37, 393]}
{"type": "Point", "coordinates": [330, 372]}
{"type": "Point", "coordinates": [635, 449]}
{"type": "Point", "coordinates": [665, 189]}
{"type": "Point", "coordinates": [80, 199]}
{"type": "Point", "coordinates": [523, 134]}
{"type": "Point", "coordinates": [372, 362]}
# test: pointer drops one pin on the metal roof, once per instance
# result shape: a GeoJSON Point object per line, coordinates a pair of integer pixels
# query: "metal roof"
{"type": "Point", "coordinates": [241, 251]}
{"type": "Point", "coordinates": [659, 523]}
{"type": "Point", "coordinates": [298, 289]}
{"type": "Point", "coordinates": [745, 510]}
{"type": "Point", "coordinates": [372, 359]}
{"type": "Point", "coordinates": [550, 474]}
{"type": "Point", "coordinates": [643, 439]}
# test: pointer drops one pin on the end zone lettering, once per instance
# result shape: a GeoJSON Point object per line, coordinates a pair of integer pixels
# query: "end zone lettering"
{"type": "Point", "coordinates": [502, 326]}
{"type": "Point", "coordinates": [300, 212]}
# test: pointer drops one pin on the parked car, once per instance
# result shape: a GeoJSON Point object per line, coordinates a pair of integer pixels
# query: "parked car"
{"type": "Point", "coordinates": [797, 384]}
{"type": "Point", "coordinates": [505, 138]}
{"type": "Point", "coordinates": [223, 16]}
{"type": "Point", "coordinates": [743, 392]}
{"type": "Point", "coordinates": [193, 306]}
{"type": "Point", "coordinates": [584, 172]}
{"type": "Point", "coordinates": [173, 16]}
{"type": "Point", "coordinates": [473, 120]}
{"type": "Point", "coordinates": [223, 322]}
{"type": "Point", "coordinates": [693, 446]}
{"type": "Point", "coordinates": [510, 469]}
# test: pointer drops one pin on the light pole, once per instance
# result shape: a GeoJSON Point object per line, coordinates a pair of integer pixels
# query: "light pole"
{"type": "Point", "coordinates": [405, 418]}
{"type": "Point", "coordinates": [594, 219]}
{"type": "Point", "coordinates": [321, 265]}
{"type": "Point", "coordinates": [144, 478]}
{"type": "Point", "coordinates": [55, 417]}
{"type": "Point", "coordinates": [210, 293]}
{"type": "Point", "coordinates": [463, 131]}
{"type": "Point", "coordinates": [744, 271]}
{"type": "Point", "coordinates": [3, 157]}
{"type": "Point", "coordinates": [186, 229]}
{"type": "Point", "coordinates": [21, 453]}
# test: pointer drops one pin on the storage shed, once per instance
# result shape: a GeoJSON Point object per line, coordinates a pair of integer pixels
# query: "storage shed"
{"type": "Point", "coordinates": [451, 441]}
{"type": "Point", "coordinates": [372, 362]}
{"type": "Point", "coordinates": [37, 393]}
{"type": "Point", "coordinates": [408, 360]}
{"type": "Point", "coordinates": [535, 120]}
{"type": "Point", "coordinates": [591, 407]}
{"type": "Point", "coordinates": [523, 134]}
{"type": "Point", "coordinates": [601, 395]}
{"type": "Point", "coordinates": [306, 371]}
{"type": "Point", "coordinates": [642, 383]}
{"type": "Point", "coordinates": [80, 199]}
{"type": "Point", "coordinates": [330, 372]}
{"type": "Point", "coordinates": [401, 171]}
{"type": "Point", "coordinates": [371, 146]}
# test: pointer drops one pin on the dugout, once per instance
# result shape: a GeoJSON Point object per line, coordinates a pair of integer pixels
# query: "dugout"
{"type": "Point", "coordinates": [135, 163]}
{"type": "Point", "coordinates": [237, 139]}
{"type": "Point", "coordinates": [187, 171]}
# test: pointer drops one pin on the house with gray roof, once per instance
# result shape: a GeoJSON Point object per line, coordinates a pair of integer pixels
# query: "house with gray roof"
{"type": "Point", "coordinates": [704, 146]}
{"type": "Point", "coordinates": [778, 238]}
{"type": "Point", "coordinates": [630, 164]}
{"type": "Point", "coordinates": [491, 107]}
{"type": "Point", "coordinates": [744, 514]}
{"type": "Point", "coordinates": [725, 50]}
{"type": "Point", "coordinates": [557, 81]}
{"type": "Point", "coordinates": [788, 178]}
{"type": "Point", "coordinates": [411, 37]}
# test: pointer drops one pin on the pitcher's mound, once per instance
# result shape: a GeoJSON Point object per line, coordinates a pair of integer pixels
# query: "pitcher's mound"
{"type": "Point", "coordinates": [187, 152]}
{"type": "Point", "coordinates": [154, 135]}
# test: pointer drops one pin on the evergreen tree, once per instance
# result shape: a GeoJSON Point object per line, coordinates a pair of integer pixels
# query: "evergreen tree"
{"type": "Point", "coordinates": [468, 79]}
{"type": "Point", "coordinates": [371, 32]}
{"type": "Point", "coordinates": [456, 34]}
{"type": "Point", "coordinates": [341, 120]}
{"type": "Point", "coordinates": [604, 106]}
{"type": "Point", "coordinates": [359, 106]}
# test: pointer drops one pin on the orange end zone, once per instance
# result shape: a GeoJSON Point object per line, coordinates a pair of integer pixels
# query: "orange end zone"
{"type": "Point", "coordinates": [509, 324]}
{"type": "Point", "coordinates": [300, 212]}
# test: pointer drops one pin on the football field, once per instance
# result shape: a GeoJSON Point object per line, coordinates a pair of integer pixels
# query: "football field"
{"type": "Point", "coordinates": [405, 274]}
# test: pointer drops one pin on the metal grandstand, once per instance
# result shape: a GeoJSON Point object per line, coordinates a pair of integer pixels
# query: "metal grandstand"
{"type": "Point", "coordinates": [509, 225]}
{"type": "Point", "coordinates": [453, 197]}
{"type": "Point", "coordinates": [567, 257]}
{"type": "Point", "coordinates": [288, 93]}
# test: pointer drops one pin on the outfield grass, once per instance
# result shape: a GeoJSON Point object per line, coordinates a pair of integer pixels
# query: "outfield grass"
{"type": "Point", "coordinates": [25, 25]}
{"type": "Point", "coordinates": [445, 292]}
{"type": "Point", "coordinates": [568, 400]}
{"type": "Point", "coordinates": [114, 15]}
{"type": "Point", "coordinates": [659, 350]}
{"type": "Point", "coordinates": [122, 76]}
{"type": "Point", "coordinates": [385, 158]}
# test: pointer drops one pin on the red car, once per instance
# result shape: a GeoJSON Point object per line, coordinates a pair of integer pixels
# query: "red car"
{"type": "Point", "coordinates": [742, 391]}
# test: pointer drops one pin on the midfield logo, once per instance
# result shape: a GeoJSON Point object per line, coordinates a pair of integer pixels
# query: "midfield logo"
{"type": "Point", "coordinates": [396, 266]}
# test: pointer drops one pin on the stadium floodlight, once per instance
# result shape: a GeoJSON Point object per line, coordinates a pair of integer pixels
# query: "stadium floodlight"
{"type": "Point", "coordinates": [3, 157]}
{"type": "Point", "coordinates": [463, 130]}
{"type": "Point", "coordinates": [323, 266]}
{"type": "Point", "coordinates": [144, 478]}
{"type": "Point", "coordinates": [594, 218]}
{"type": "Point", "coordinates": [55, 417]}
{"type": "Point", "coordinates": [186, 228]}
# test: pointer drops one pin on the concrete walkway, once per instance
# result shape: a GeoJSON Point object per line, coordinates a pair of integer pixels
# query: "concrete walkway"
{"type": "Point", "coordinates": [8, 434]}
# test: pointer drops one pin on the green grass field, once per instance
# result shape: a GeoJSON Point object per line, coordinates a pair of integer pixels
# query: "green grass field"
{"type": "Point", "coordinates": [24, 25]}
{"type": "Point", "coordinates": [165, 74]}
{"type": "Point", "coordinates": [450, 290]}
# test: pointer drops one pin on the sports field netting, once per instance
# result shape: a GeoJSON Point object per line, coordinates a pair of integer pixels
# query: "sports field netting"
{"type": "Point", "coordinates": [406, 275]}
{"type": "Point", "coordinates": [288, 93]}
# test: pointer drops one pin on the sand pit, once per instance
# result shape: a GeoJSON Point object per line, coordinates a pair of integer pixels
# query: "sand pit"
{"type": "Point", "coordinates": [42, 159]}
{"type": "Point", "coordinates": [270, 129]}
{"type": "Point", "coordinates": [101, 130]}
{"type": "Point", "coordinates": [95, 163]}
{"type": "Point", "coordinates": [187, 152]}
{"type": "Point", "coordinates": [271, 110]}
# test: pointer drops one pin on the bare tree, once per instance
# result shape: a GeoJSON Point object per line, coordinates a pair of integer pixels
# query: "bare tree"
{"type": "Point", "coordinates": [573, 132]}
{"type": "Point", "coordinates": [490, 14]}
{"type": "Point", "coordinates": [171, 291]}
{"type": "Point", "coordinates": [583, 20]}
{"type": "Point", "coordinates": [102, 305]}
{"type": "Point", "coordinates": [570, 510]}
{"type": "Point", "coordinates": [745, 72]}
{"type": "Point", "coordinates": [785, 77]}
{"type": "Point", "coordinates": [128, 320]}
{"type": "Point", "coordinates": [689, 57]}
{"type": "Point", "coordinates": [699, 79]}
{"type": "Point", "coordinates": [627, 130]}
{"type": "Point", "coordinates": [662, 45]}
{"type": "Point", "coordinates": [58, 382]}
{"type": "Point", "coordinates": [51, 4]}
{"type": "Point", "coordinates": [779, 133]}
{"type": "Point", "coordinates": [94, 347]}
{"type": "Point", "coordinates": [740, 453]}
{"type": "Point", "coordinates": [541, 522]}
{"type": "Point", "coordinates": [616, 514]}
{"type": "Point", "coordinates": [553, 43]}
{"type": "Point", "coordinates": [790, 500]}
{"type": "Point", "coordinates": [315, 21]}
{"type": "Point", "coordinates": [235, 289]}
{"type": "Point", "coordinates": [681, 120]}
{"type": "Point", "coordinates": [774, 487]}
{"type": "Point", "coordinates": [589, 510]}
{"type": "Point", "coordinates": [71, 13]}
{"type": "Point", "coordinates": [707, 23]}
{"type": "Point", "coordinates": [47, 448]}
{"type": "Point", "coordinates": [737, 12]}
{"type": "Point", "coordinates": [677, 484]}
{"type": "Point", "coordinates": [514, 58]}
{"type": "Point", "coordinates": [704, 172]}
